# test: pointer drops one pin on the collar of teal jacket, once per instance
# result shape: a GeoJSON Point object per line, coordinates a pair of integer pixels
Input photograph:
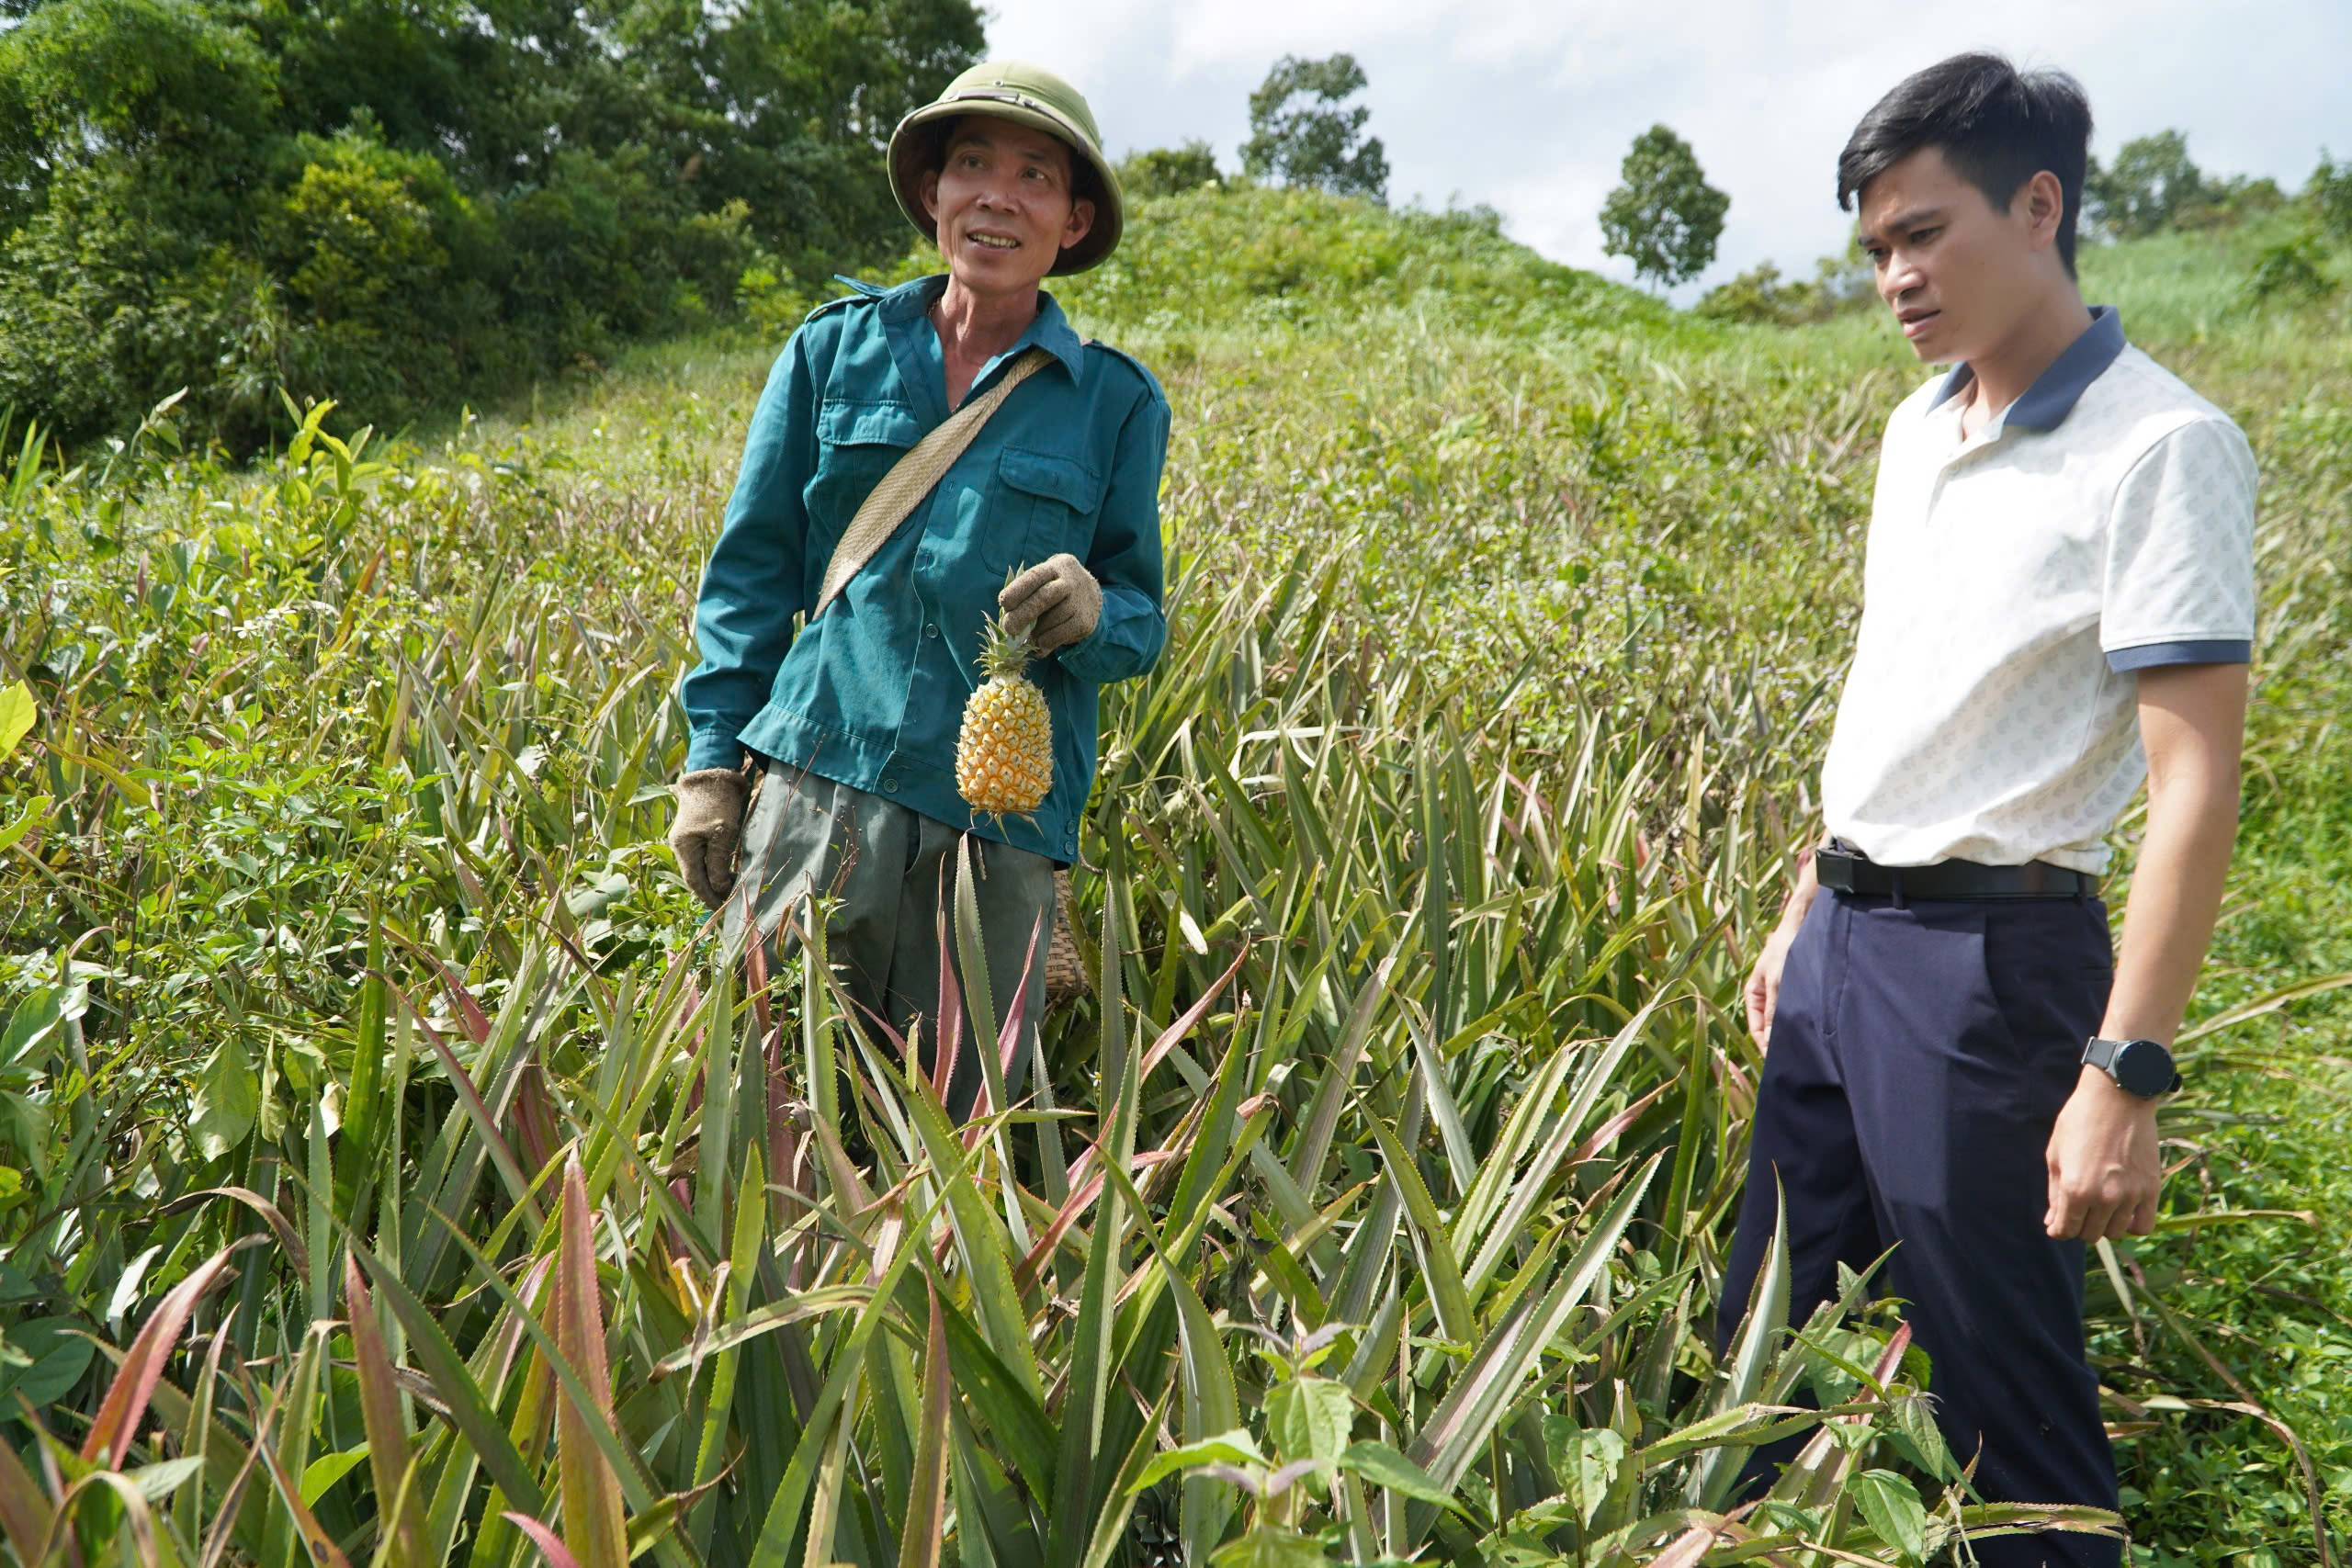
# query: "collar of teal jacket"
{"type": "Point", "coordinates": [914, 342]}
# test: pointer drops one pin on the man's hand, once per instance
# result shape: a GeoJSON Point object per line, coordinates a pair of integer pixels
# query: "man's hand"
{"type": "Point", "coordinates": [1764, 983]}
{"type": "Point", "coordinates": [710, 821]}
{"type": "Point", "coordinates": [2104, 1172]}
{"type": "Point", "coordinates": [1057, 600]}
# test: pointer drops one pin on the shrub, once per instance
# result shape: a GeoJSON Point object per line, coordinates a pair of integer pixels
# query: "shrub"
{"type": "Point", "coordinates": [1168, 170]}
{"type": "Point", "coordinates": [2292, 269]}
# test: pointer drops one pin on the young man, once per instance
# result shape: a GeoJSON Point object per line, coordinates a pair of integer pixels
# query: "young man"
{"type": "Point", "coordinates": [2058, 601]}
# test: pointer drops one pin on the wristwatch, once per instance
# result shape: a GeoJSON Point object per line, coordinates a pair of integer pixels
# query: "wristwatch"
{"type": "Point", "coordinates": [2142, 1067]}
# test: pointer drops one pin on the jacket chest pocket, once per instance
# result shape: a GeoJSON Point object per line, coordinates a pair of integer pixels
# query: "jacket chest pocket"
{"type": "Point", "coordinates": [857, 443]}
{"type": "Point", "coordinates": [1046, 505]}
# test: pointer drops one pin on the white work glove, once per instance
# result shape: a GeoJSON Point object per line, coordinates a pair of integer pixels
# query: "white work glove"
{"type": "Point", "coordinates": [709, 822]}
{"type": "Point", "coordinates": [1057, 600]}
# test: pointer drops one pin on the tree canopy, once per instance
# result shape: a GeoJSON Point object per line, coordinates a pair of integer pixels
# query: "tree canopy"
{"type": "Point", "coordinates": [1168, 170]}
{"type": "Point", "coordinates": [396, 202]}
{"type": "Point", "coordinates": [2151, 185]}
{"type": "Point", "coordinates": [1665, 218]}
{"type": "Point", "coordinates": [1303, 133]}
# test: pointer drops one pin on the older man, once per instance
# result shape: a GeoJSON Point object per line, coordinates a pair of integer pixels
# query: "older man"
{"type": "Point", "coordinates": [851, 720]}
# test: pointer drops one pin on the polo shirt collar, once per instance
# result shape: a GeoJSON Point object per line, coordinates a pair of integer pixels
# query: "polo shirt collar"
{"type": "Point", "coordinates": [1051, 331]}
{"type": "Point", "coordinates": [2045, 404]}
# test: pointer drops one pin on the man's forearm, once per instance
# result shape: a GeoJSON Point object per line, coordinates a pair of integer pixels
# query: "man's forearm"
{"type": "Point", "coordinates": [2193, 719]}
{"type": "Point", "coordinates": [2175, 897]}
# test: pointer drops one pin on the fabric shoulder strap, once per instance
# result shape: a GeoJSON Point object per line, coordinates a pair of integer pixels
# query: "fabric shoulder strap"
{"type": "Point", "coordinates": [912, 478]}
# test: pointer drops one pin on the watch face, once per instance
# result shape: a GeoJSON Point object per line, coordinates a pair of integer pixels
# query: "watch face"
{"type": "Point", "coordinates": [2144, 1068]}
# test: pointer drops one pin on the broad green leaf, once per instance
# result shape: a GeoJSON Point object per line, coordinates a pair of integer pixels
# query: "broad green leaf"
{"type": "Point", "coordinates": [227, 1100]}
{"type": "Point", "coordinates": [1586, 1460]}
{"type": "Point", "coordinates": [1310, 1417]}
{"type": "Point", "coordinates": [1235, 1448]}
{"type": "Point", "coordinates": [1385, 1467]}
{"type": "Point", "coordinates": [329, 1468]}
{"type": "Point", "coordinates": [17, 715]}
{"type": "Point", "coordinates": [56, 1355]}
{"type": "Point", "coordinates": [1893, 1509]}
{"type": "Point", "coordinates": [26, 820]}
{"type": "Point", "coordinates": [1270, 1546]}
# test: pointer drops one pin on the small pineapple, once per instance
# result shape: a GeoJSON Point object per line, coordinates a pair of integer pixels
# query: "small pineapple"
{"type": "Point", "coordinates": [1004, 753]}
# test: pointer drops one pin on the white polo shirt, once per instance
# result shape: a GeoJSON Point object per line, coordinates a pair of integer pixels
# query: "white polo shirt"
{"type": "Point", "coordinates": [2017, 580]}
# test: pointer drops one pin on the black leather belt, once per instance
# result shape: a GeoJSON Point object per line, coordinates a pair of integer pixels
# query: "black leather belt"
{"type": "Point", "coordinates": [1846, 872]}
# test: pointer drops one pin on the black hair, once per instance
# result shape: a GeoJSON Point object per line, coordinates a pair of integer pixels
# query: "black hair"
{"type": "Point", "coordinates": [1997, 127]}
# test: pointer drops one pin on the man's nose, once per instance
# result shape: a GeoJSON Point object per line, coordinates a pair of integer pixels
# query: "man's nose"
{"type": "Point", "coordinates": [1901, 275]}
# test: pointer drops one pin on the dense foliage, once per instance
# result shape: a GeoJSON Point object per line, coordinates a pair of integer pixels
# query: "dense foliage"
{"type": "Point", "coordinates": [2153, 184]}
{"type": "Point", "coordinates": [1304, 132]}
{"type": "Point", "coordinates": [401, 206]}
{"type": "Point", "coordinates": [1663, 216]}
{"type": "Point", "coordinates": [365, 1078]}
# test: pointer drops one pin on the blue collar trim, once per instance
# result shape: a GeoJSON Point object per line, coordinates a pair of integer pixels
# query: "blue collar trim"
{"type": "Point", "coordinates": [1051, 331]}
{"type": "Point", "coordinates": [2045, 404]}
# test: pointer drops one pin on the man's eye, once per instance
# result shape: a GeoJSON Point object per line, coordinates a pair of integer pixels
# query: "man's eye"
{"type": "Point", "coordinates": [1920, 237]}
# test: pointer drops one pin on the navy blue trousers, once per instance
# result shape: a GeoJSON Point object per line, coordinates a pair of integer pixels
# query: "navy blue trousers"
{"type": "Point", "coordinates": [1919, 1055]}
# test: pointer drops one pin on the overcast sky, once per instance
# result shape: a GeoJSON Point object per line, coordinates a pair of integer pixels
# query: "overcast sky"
{"type": "Point", "coordinates": [1530, 107]}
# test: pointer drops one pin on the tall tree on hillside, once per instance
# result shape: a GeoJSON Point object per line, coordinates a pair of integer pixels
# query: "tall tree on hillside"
{"type": "Point", "coordinates": [1665, 218]}
{"type": "Point", "coordinates": [1302, 133]}
{"type": "Point", "coordinates": [2152, 185]}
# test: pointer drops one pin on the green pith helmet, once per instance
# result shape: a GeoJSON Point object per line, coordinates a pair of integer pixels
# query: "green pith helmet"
{"type": "Point", "coordinates": [1026, 95]}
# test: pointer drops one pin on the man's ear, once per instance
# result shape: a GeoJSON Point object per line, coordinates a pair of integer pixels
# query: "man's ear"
{"type": "Point", "coordinates": [927, 192]}
{"type": "Point", "coordinates": [1079, 224]}
{"type": "Point", "coordinates": [2040, 204]}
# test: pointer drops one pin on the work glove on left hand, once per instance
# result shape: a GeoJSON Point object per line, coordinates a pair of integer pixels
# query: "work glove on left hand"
{"type": "Point", "coordinates": [1057, 600]}
{"type": "Point", "coordinates": [710, 821]}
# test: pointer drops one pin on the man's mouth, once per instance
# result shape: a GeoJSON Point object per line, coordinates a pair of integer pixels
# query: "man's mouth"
{"type": "Point", "coordinates": [995, 242]}
{"type": "Point", "coordinates": [1915, 321]}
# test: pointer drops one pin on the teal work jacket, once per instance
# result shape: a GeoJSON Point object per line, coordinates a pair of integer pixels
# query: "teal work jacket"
{"type": "Point", "coordinates": [871, 693]}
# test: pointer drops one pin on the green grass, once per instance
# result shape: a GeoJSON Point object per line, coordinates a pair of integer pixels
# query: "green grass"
{"type": "Point", "coordinates": [354, 757]}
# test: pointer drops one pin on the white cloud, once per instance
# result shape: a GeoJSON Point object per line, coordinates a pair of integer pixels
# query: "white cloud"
{"type": "Point", "coordinates": [1530, 107]}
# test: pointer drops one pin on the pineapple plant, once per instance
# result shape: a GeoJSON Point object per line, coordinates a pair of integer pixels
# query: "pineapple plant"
{"type": "Point", "coordinates": [1004, 753]}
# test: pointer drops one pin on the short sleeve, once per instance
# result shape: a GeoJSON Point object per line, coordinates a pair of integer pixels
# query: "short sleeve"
{"type": "Point", "coordinates": [2179, 581]}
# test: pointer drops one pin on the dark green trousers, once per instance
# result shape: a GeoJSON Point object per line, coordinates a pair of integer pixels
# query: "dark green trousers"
{"type": "Point", "coordinates": [892, 873]}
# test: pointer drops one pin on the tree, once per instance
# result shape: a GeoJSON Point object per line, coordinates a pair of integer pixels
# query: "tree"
{"type": "Point", "coordinates": [2151, 185]}
{"type": "Point", "coordinates": [1315, 142]}
{"type": "Point", "coordinates": [1168, 170]}
{"type": "Point", "coordinates": [1665, 218]}
{"type": "Point", "coordinates": [399, 202]}
{"type": "Point", "coordinates": [2329, 197]}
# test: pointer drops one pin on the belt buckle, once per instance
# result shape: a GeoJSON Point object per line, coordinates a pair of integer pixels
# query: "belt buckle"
{"type": "Point", "coordinates": [1834, 868]}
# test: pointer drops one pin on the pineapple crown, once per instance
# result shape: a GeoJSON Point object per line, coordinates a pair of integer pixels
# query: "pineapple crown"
{"type": "Point", "coordinates": [1003, 652]}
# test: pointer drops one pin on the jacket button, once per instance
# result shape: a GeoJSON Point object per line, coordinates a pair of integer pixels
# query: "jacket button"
{"type": "Point", "coordinates": [890, 786]}
{"type": "Point", "coordinates": [930, 630]}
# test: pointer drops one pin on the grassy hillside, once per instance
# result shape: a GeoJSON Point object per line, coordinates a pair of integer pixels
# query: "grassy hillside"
{"type": "Point", "coordinates": [1425, 870]}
